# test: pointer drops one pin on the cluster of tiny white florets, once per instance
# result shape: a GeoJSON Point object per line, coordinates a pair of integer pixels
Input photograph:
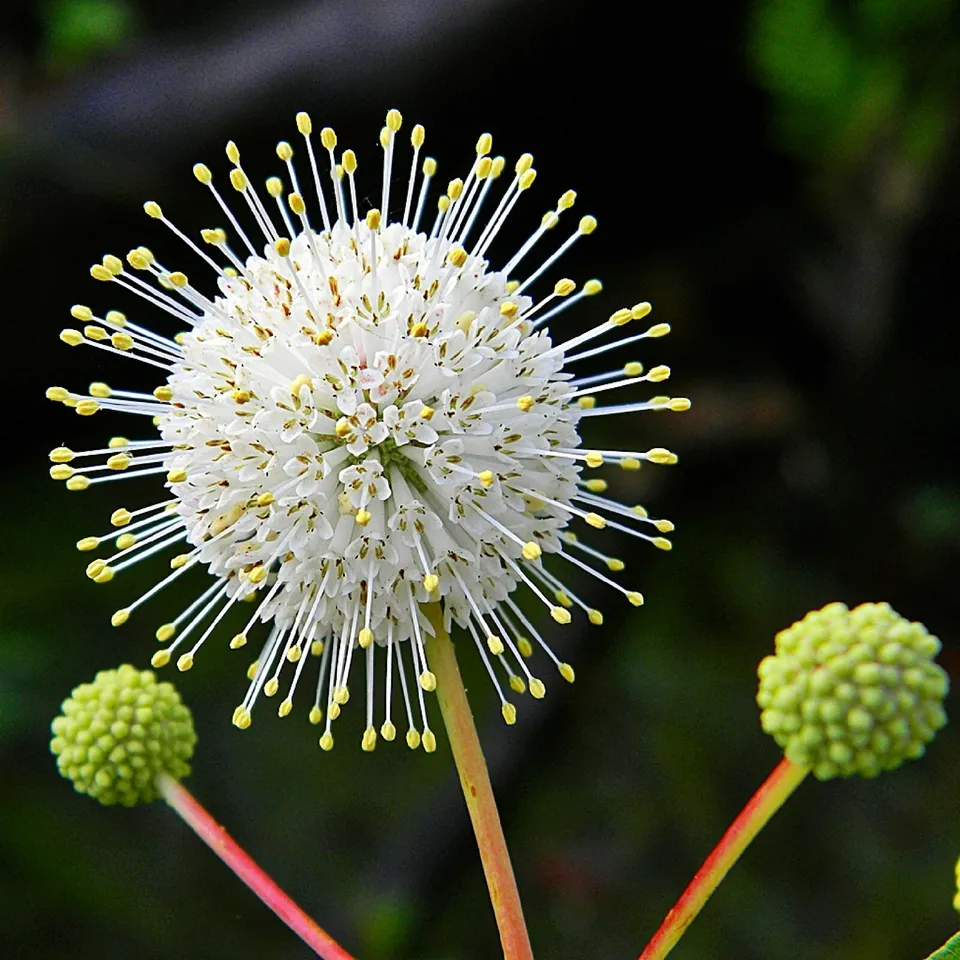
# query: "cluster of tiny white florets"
{"type": "Point", "coordinates": [367, 417]}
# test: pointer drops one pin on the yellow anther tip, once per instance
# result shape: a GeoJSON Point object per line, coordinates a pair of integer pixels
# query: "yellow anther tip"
{"type": "Point", "coordinates": [285, 707]}
{"type": "Point", "coordinates": [495, 645]}
{"type": "Point", "coordinates": [486, 478]}
{"type": "Point", "coordinates": [525, 403]}
{"type": "Point", "coordinates": [566, 671]}
{"type": "Point", "coordinates": [165, 632]}
{"type": "Point", "coordinates": [636, 599]}
{"type": "Point", "coordinates": [152, 209]}
{"type": "Point", "coordinates": [517, 685]}
{"type": "Point", "coordinates": [365, 637]}
{"type": "Point", "coordinates": [369, 741]}
{"type": "Point", "coordinates": [563, 288]}
{"type": "Point", "coordinates": [661, 456]}
{"type": "Point", "coordinates": [349, 161]}
{"type": "Point", "coordinates": [282, 246]}
{"type": "Point", "coordinates": [284, 151]}
{"type": "Point", "coordinates": [531, 550]}
{"type": "Point", "coordinates": [160, 659]}
{"type": "Point", "coordinates": [388, 731]}
{"type": "Point", "coordinates": [664, 526]}
{"type": "Point", "coordinates": [304, 123]}
{"type": "Point", "coordinates": [615, 565]}
{"type": "Point", "coordinates": [413, 739]}
{"type": "Point", "coordinates": [587, 225]}
{"type": "Point", "coordinates": [417, 136]}
{"type": "Point", "coordinates": [373, 219]}
{"type": "Point", "coordinates": [484, 144]}
{"type": "Point", "coordinates": [527, 178]}
{"type": "Point", "coordinates": [679, 404]}
{"type": "Point", "coordinates": [238, 179]}
{"type": "Point", "coordinates": [662, 543]}
{"type": "Point", "coordinates": [596, 485]}
{"type": "Point", "coordinates": [120, 617]}
{"type": "Point", "coordinates": [88, 543]}
{"type": "Point", "coordinates": [595, 617]}
{"type": "Point", "coordinates": [594, 459]}
{"type": "Point", "coordinates": [177, 476]}
{"type": "Point", "coordinates": [316, 715]}
{"type": "Point", "coordinates": [639, 310]}
{"type": "Point", "coordinates": [72, 338]}
{"type": "Point", "coordinates": [326, 742]}
{"type": "Point", "coordinates": [78, 482]}
{"type": "Point", "coordinates": [659, 330]}
{"type": "Point", "coordinates": [394, 119]}
{"type": "Point", "coordinates": [560, 614]}
{"type": "Point", "coordinates": [592, 287]}
{"type": "Point", "coordinates": [185, 662]}
{"type": "Point", "coordinates": [363, 517]}
{"type": "Point", "coordinates": [428, 681]}
{"type": "Point", "coordinates": [509, 712]}
{"type": "Point", "coordinates": [429, 741]}
{"type": "Point", "coordinates": [61, 471]}
{"type": "Point", "coordinates": [271, 687]}
{"type": "Point", "coordinates": [430, 582]}
{"type": "Point", "coordinates": [586, 403]}
{"type": "Point", "coordinates": [537, 689]}
{"type": "Point", "coordinates": [595, 521]}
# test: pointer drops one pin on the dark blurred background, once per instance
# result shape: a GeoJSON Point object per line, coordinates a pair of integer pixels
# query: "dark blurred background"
{"type": "Point", "coordinates": [779, 178]}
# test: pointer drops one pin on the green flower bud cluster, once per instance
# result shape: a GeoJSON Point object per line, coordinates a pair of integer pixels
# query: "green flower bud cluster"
{"type": "Point", "coordinates": [852, 691]}
{"type": "Point", "coordinates": [117, 734]}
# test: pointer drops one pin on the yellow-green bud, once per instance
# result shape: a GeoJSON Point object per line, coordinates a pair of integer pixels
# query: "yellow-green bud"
{"type": "Point", "coordinates": [852, 691]}
{"type": "Point", "coordinates": [115, 735]}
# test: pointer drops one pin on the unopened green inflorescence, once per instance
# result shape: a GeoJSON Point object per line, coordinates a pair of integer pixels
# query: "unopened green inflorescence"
{"type": "Point", "coordinates": [852, 691]}
{"type": "Point", "coordinates": [117, 734]}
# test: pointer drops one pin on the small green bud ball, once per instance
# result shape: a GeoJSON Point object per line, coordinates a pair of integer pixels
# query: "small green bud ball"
{"type": "Point", "coordinates": [115, 735]}
{"type": "Point", "coordinates": [852, 691]}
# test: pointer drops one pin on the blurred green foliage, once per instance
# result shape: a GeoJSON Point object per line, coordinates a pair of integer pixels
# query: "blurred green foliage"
{"type": "Point", "coordinates": [949, 951]}
{"type": "Point", "coordinates": [847, 76]}
{"type": "Point", "coordinates": [78, 30]}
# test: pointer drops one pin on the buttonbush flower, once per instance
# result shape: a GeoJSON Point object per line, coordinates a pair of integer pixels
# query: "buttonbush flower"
{"type": "Point", "coordinates": [359, 416]}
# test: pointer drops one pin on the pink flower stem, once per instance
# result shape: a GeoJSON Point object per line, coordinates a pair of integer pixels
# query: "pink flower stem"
{"type": "Point", "coordinates": [477, 791]}
{"type": "Point", "coordinates": [773, 793]}
{"type": "Point", "coordinates": [240, 862]}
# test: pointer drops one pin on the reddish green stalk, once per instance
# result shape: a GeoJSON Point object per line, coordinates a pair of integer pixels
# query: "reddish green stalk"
{"type": "Point", "coordinates": [773, 793]}
{"type": "Point", "coordinates": [477, 791]}
{"type": "Point", "coordinates": [240, 862]}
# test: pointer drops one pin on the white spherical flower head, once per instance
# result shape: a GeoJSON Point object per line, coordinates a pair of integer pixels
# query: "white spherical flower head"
{"type": "Point", "coordinates": [364, 417]}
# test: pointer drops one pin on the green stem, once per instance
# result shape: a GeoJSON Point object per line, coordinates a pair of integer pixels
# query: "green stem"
{"type": "Point", "coordinates": [773, 793]}
{"type": "Point", "coordinates": [477, 790]}
{"type": "Point", "coordinates": [242, 864]}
